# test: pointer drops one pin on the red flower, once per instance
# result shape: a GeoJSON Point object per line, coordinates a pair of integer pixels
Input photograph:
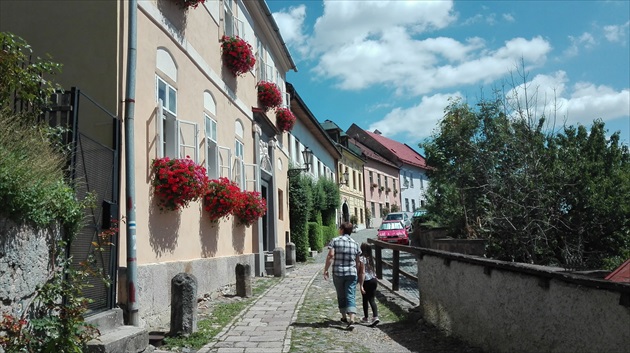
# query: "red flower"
{"type": "Point", "coordinates": [176, 182]}
{"type": "Point", "coordinates": [221, 198]}
{"type": "Point", "coordinates": [285, 120]}
{"type": "Point", "coordinates": [269, 95]}
{"type": "Point", "coordinates": [237, 54]}
{"type": "Point", "coordinates": [250, 206]}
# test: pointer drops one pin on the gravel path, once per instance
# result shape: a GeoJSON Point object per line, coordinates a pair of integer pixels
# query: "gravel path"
{"type": "Point", "coordinates": [318, 328]}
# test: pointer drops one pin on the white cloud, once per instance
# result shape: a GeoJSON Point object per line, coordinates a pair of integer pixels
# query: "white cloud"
{"type": "Point", "coordinates": [617, 34]}
{"type": "Point", "coordinates": [586, 40]}
{"type": "Point", "coordinates": [291, 24]}
{"type": "Point", "coordinates": [581, 102]}
{"type": "Point", "coordinates": [508, 17]}
{"type": "Point", "coordinates": [420, 66]}
{"type": "Point", "coordinates": [423, 117]}
{"type": "Point", "coordinates": [347, 22]}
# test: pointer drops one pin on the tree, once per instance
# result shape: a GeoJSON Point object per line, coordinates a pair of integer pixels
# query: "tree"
{"type": "Point", "coordinates": [534, 195]}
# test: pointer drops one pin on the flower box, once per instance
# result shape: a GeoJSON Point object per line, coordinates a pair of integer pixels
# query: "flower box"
{"type": "Point", "coordinates": [285, 120]}
{"type": "Point", "coordinates": [176, 182]}
{"type": "Point", "coordinates": [221, 198]}
{"type": "Point", "coordinates": [250, 207]}
{"type": "Point", "coordinates": [186, 4]}
{"type": "Point", "coordinates": [269, 95]}
{"type": "Point", "coordinates": [374, 185]}
{"type": "Point", "coordinates": [237, 55]}
{"type": "Point", "coordinates": [381, 188]}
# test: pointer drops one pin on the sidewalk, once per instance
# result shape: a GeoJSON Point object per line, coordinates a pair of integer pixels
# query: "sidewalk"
{"type": "Point", "coordinates": [266, 325]}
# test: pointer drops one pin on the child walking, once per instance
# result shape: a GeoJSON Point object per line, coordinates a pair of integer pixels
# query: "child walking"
{"type": "Point", "coordinates": [368, 282]}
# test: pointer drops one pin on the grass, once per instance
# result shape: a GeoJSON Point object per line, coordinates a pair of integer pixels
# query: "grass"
{"type": "Point", "coordinates": [222, 314]}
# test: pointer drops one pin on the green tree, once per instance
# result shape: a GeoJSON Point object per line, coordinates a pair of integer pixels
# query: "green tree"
{"type": "Point", "coordinates": [23, 76]}
{"type": "Point", "coordinates": [535, 196]}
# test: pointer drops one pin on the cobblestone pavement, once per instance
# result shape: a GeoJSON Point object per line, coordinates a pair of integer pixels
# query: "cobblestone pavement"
{"type": "Point", "coordinates": [299, 315]}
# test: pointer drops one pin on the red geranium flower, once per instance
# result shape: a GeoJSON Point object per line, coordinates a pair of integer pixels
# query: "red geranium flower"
{"type": "Point", "coordinates": [237, 54]}
{"type": "Point", "coordinates": [269, 95]}
{"type": "Point", "coordinates": [176, 182]}
{"type": "Point", "coordinates": [285, 120]}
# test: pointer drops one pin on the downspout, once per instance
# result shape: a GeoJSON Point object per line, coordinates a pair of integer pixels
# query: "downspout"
{"type": "Point", "coordinates": [130, 92]}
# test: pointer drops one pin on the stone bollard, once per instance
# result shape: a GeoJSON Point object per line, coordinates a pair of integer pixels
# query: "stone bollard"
{"type": "Point", "coordinates": [183, 304]}
{"type": "Point", "coordinates": [290, 254]}
{"type": "Point", "coordinates": [279, 262]}
{"type": "Point", "coordinates": [243, 280]}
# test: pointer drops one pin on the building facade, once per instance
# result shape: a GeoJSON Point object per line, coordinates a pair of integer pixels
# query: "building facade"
{"type": "Point", "coordinates": [187, 104]}
{"type": "Point", "coordinates": [412, 179]}
{"type": "Point", "coordinates": [350, 176]}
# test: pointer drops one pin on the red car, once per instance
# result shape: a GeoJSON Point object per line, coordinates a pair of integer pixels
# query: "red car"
{"type": "Point", "coordinates": [393, 232]}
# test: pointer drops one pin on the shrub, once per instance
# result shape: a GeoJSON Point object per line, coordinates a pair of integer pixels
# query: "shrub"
{"type": "Point", "coordinates": [330, 232]}
{"type": "Point", "coordinates": [315, 236]}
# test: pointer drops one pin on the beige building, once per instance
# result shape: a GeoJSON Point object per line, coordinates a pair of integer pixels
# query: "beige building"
{"type": "Point", "coordinates": [187, 103]}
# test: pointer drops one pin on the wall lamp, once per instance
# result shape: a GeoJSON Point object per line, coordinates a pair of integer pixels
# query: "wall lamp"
{"type": "Point", "coordinates": [345, 178]}
{"type": "Point", "coordinates": [307, 154]}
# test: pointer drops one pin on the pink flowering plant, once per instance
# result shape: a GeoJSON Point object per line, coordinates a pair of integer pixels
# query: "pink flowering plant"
{"type": "Point", "coordinates": [186, 4]}
{"type": "Point", "coordinates": [221, 198]}
{"type": "Point", "coordinates": [177, 182]}
{"type": "Point", "coordinates": [269, 95]}
{"type": "Point", "coordinates": [250, 207]}
{"type": "Point", "coordinates": [237, 55]}
{"type": "Point", "coordinates": [285, 120]}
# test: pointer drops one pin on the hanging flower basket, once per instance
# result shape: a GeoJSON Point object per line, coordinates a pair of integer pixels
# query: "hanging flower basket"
{"type": "Point", "coordinates": [237, 55]}
{"type": "Point", "coordinates": [176, 182]}
{"type": "Point", "coordinates": [285, 120]}
{"type": "Point", "coordinates": [221, 198]}
{"type": "Point", "coordinates": [269, 95]}
{"type": "Point", "coordinates": [251, 206]}
{"type": "Point", "coordinates": [186, 4]}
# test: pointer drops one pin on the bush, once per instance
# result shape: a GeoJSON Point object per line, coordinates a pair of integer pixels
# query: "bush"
{"type": "Point", "coordinates": [300, 202]}
{"type": "Point", "coordinates": [315, 236]}
{"type": "Point", "coordinates": [32, 187]}
{"type": "Point", "coordinates": [330, 232]}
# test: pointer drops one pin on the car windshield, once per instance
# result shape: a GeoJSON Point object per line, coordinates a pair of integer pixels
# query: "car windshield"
{"type": "Point", "coordinates": [391, 226]}
{"type": "Point", "coordinates": [397, 216]}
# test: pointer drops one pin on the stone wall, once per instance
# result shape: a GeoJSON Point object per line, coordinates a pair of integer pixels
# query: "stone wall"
{"type": "Point", "coordinates": [154, 284]}
{"type": "Point", "coordinates": [509, 307]}
{"type": "Point", "coordinates": [25, 262]}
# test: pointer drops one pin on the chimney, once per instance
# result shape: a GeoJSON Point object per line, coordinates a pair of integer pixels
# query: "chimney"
{"type": "Point", "coordinates": [377, 132]}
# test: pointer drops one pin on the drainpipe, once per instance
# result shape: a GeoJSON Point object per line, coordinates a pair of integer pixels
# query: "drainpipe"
{"type": "Point", "coordinates": [130, 92]}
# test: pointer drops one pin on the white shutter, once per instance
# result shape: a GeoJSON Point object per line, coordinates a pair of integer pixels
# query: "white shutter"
{"type": "Point", "coordinates": [159, 120]}
{"type": "Point", "coordinates": [252, 177]}
{"type": "Point", "coordinates": [225, 162]}
{"type": "Point", "coordinates": [187, 140]}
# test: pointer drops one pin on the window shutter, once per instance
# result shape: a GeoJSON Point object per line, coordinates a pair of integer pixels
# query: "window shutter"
{"type": "Point", "coordinates": [159, 120]}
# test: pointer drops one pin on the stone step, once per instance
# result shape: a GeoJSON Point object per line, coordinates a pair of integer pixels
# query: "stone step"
{"type": "Point", "coordinates": [106, 320]}
{"type": "Point", "coordinates": [123, 339]}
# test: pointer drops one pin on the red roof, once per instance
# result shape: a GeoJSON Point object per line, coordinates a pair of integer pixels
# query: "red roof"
{"type": "Point", "coordinates": [621, 274]}
{"type": "Point", "coordinates": [373, 155]}
{"type": "Point", "coordinates": [406, 154]}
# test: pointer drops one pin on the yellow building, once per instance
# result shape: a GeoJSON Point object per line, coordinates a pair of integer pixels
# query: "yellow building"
{"type": "Point", "coordinates": [350, 176]}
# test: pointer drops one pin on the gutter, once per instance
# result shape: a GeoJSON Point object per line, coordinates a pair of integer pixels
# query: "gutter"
{"type": "Point", "coordinates": [130, 185]}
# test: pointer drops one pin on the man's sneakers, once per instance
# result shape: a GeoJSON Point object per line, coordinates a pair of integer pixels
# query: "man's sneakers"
{"type": "Point", "coordinates": [350, 326]}
{"type": "Point", "coordinates": [365, 320]}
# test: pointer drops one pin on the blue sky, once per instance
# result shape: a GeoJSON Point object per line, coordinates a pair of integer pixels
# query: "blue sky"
{"type": "Point", "coordinates": [392, 65]}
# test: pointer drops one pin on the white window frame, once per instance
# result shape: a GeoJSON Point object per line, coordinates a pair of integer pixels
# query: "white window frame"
{"type": "Point", "coordinates": [238, 168]}
{"type": "Point", "coordinates": [212, 149]}
{"type": "Point", "coordinates": [232, 25]}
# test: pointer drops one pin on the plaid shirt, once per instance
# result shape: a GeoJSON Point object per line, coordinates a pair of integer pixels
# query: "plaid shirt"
{"type": "Point", "coordinates": [346, 252]}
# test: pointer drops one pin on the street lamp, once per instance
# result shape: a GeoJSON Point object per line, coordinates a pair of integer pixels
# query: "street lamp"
{"type": "Point", "coordinates": [345, 178]}
{"type": "Point", "coordinates": [307, 154]}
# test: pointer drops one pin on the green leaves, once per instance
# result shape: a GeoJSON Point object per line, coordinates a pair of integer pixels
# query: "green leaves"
{"type": "Point", "coordinates": [536, 196]}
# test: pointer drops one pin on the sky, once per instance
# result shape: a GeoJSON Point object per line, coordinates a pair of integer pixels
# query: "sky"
{"type": "Point", "coordinates": [394, 65]}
